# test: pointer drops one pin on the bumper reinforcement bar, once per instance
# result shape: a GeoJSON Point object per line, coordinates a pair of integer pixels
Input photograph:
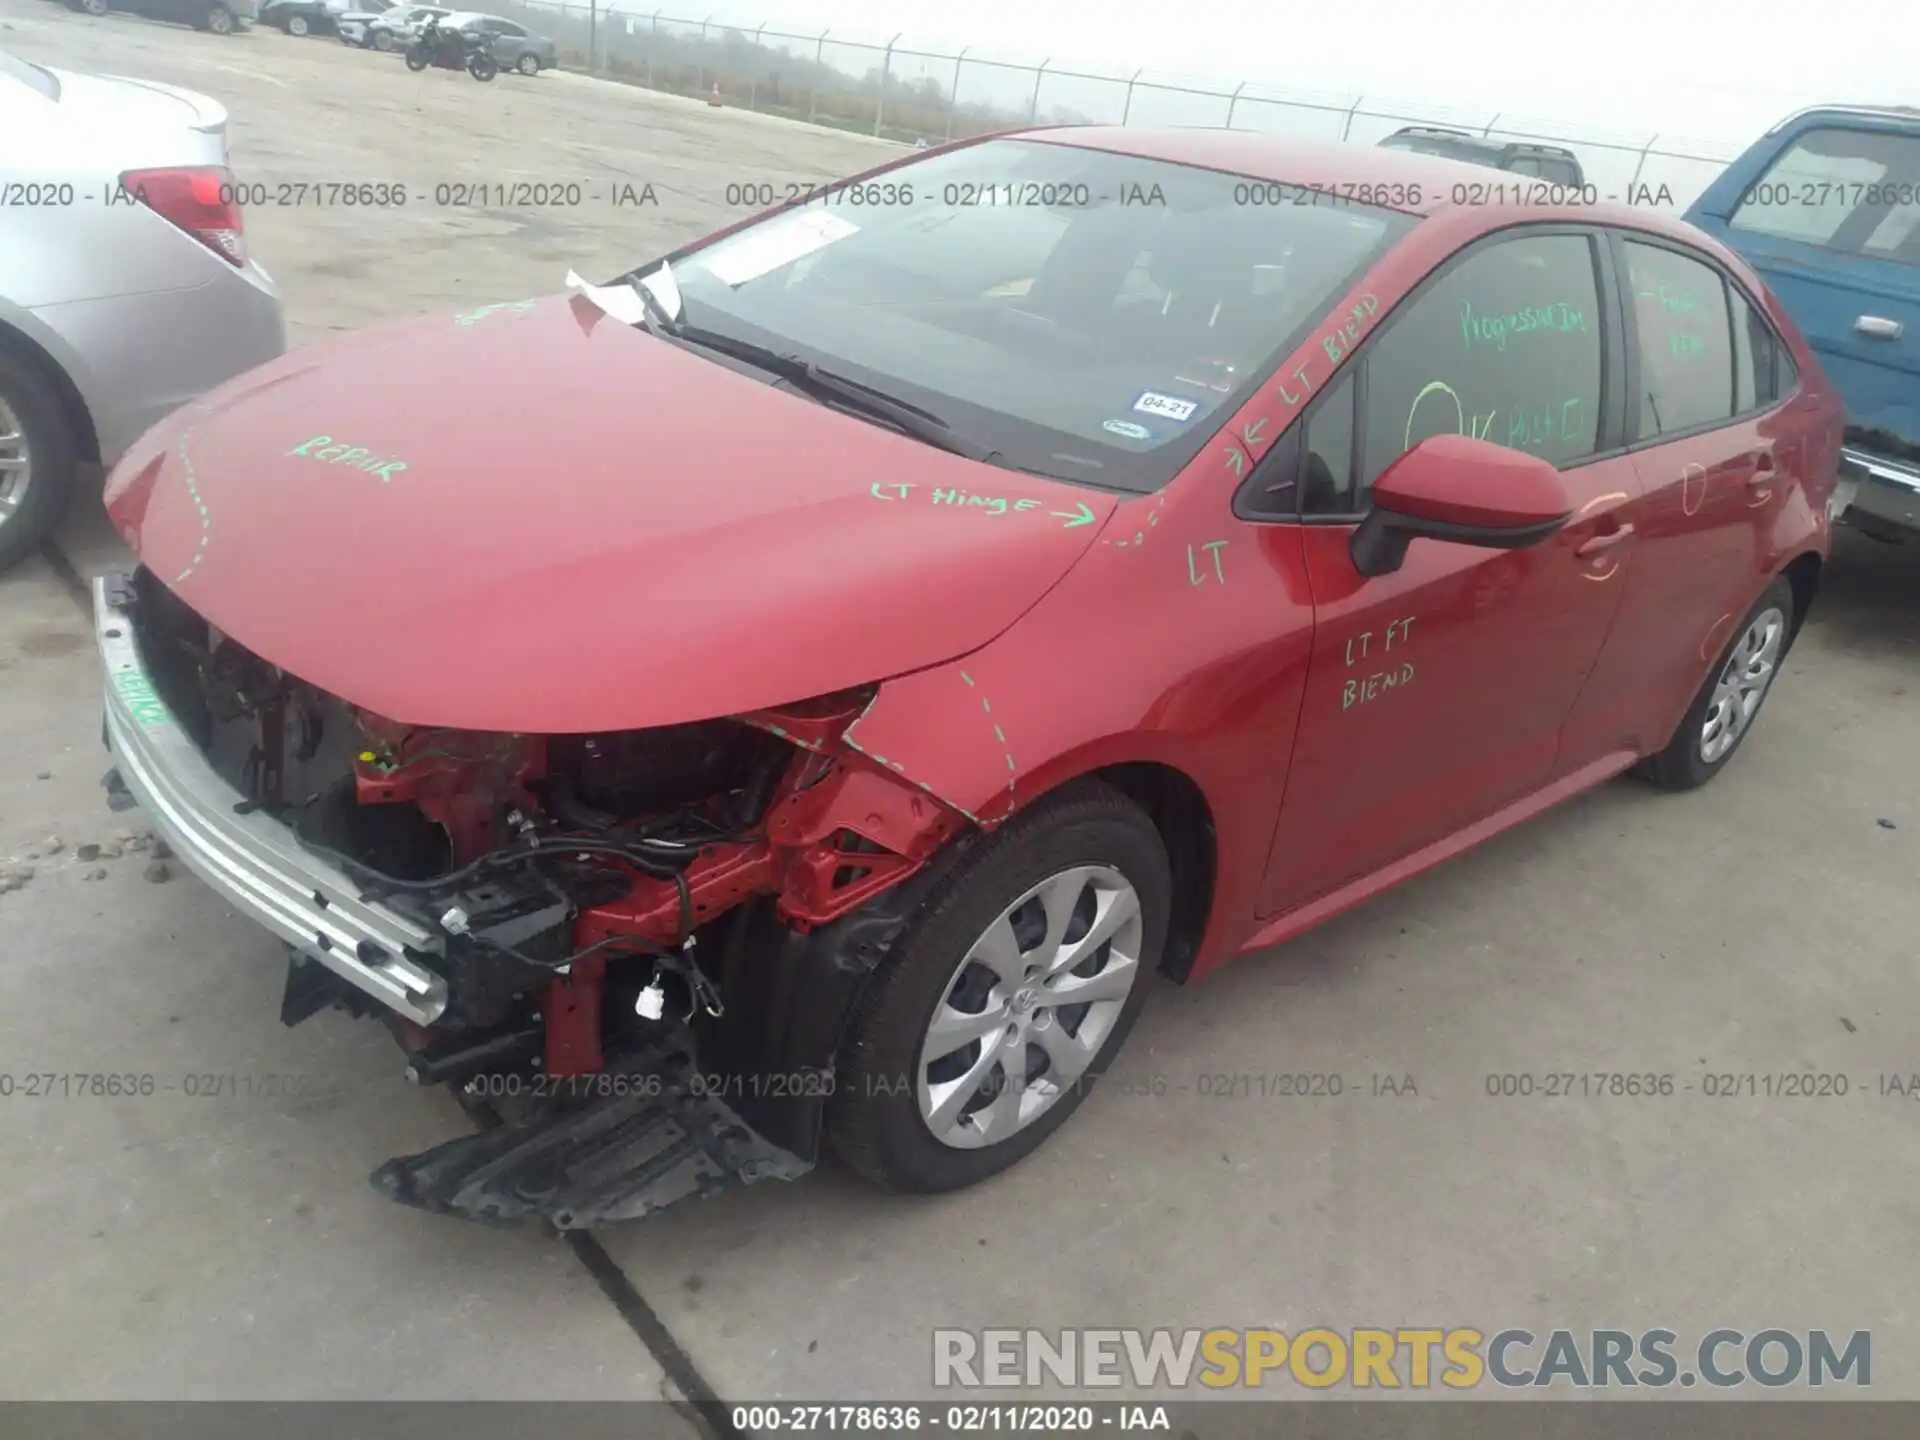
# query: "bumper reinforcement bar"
{"type": "Point", "coordinates": [251, 860]}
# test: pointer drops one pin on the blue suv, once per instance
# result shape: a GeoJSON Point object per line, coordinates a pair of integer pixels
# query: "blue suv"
{"type": "Point", "coordinates": [1826, 206]}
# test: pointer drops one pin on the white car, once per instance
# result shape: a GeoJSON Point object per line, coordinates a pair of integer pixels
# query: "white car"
{"type": "Point", "coordinates": [126, 289]}
{"type": "Point", "coordinates": [392, 30]}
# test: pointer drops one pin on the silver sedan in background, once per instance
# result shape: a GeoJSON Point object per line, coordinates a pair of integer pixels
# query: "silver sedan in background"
{"type": "Point", "coordinates": [126, 289]}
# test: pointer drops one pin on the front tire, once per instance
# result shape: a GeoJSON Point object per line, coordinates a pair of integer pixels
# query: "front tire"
{"type": "Point", "coordinates": [381, 41]}
{"type": "Point", "coordinates": [483, 67]}
{"type": "Point", "coordinates": [966, 1051]}
{"type": "Point", "coordinates": [1729, 700]}
{"type": "Point", "coordinates": [94, 7]}
{"type": "Point", "coordinates": [296, 26]}
{"type": "Point", "coordinates": [418, 58]}
{"type": "Point", "coordinates": [38, 460]}
{"type": "Point", "coordinates": [220, 20]}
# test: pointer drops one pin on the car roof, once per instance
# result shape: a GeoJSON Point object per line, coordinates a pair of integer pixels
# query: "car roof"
{"type": "Point", "coordinates": [1857, 112]}
{"type": "Point", "coordinates": [1476, 142]}
{"type": "Point", "coordinates": [1339, 168]}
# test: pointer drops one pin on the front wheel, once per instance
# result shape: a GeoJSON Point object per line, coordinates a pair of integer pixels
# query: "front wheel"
{"type": "Point", "coordinates": [418, 58]}
{"type": "Point", "coordinates": [220, 20]}
{"type": "Point", "coordinates": [94, 7]}
{"type": "Point", "coordinates": [1007, 996]}
{"type": "Point", "coordinates": [381, 41]}
{"type": "Point", "coordinates": [296, 26]}
{"type": "Point", "coordinates": [482, 67]}
{"type": "Point", "coordinates": [1729, 699]}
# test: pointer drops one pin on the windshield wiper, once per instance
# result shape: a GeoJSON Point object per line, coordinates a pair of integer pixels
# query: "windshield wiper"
{"type": "Point", "coordinates": [903, 415]}
{"type": "Point", "coordinates": [824, 385]}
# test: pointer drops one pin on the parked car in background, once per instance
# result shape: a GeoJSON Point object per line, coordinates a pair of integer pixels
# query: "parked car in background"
{"type": "Point", "coordinates": [1082, 604]}
{"type": "Point", "coordinates": [1826, 206]}
{"type": "Point", "coordinates": [392, 29]}
{"type": "Point", "coordinates": [312, 17]}
{"type": "Point", "coordinates": [221, 17]}
{"type": "Point", "coordinates": [1549, 162]}
{"type": "Point", "coordinates": [512, 45]}
{"type": "Point", "coordinates": [125, 285]}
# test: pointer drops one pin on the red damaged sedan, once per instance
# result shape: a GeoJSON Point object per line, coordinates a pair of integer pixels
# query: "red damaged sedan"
{"type": "Point", "coordinates": [802, 691]}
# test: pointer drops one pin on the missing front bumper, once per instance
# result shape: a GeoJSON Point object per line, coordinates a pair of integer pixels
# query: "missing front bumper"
{"type": "Point", "coordinates": [251, 860]}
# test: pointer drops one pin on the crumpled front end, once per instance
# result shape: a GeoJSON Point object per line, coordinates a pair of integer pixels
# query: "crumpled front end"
{"type": "Point", "coordinates": [631, 939]}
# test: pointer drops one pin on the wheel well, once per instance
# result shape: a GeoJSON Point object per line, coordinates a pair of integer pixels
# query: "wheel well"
{"type": "Point", "coordinates": [1180, 813]}
{"type": "Point", "coordinates": [1803, 574]}
{"type": "Point", "coordinates": [30, 354]}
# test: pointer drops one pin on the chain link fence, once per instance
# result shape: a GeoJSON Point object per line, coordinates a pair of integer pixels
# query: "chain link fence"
{"type": "Point", "coordinates": [909, 95]}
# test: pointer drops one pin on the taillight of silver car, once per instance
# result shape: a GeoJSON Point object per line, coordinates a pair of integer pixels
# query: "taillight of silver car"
{"type": "Point", "coordinates": [201, 199]}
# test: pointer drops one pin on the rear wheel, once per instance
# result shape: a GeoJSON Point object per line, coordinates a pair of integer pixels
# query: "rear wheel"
{"type": "Point", "coordinates": [94, 7]}
{"type": "Point", "coordinates": [38, 460]}
{"type": "Point", "coordinates": [1723, 712]}
{"type": "Point", "coordinates": [528, 65]}
{"type": "Point", "coordinates": [220, 20]}
{"type": "Point", "coordinates": [295, 25]}
{"type": "Point", "coordinates": [418, 57]}
{"type": "Point", "coordinates": [1006, 997]}
{"type": "Point", "coordinates": [482, 67]}
{"type": "Point", "coordinates": [382, 41]}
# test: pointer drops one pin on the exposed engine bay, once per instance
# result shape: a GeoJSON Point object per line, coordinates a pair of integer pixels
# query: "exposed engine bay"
{"type": "Point", "coordinates": [609, 903]}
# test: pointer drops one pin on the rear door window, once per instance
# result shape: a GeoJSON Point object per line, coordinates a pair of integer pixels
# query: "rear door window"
{"type": "Point", "coordinates": [1686, 342]}
{"type": "Point", "coordinates": [1853, 190]}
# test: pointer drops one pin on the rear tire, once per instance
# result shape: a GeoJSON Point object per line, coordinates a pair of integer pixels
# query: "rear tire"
{"type": "Point", "coordinates": [296, 26]}
{"type": "Point", "coordinates": [910, 1115]}
{"type": "Point", "coordinates": [381, 41]}
{"type": "Point", "coordinates": [31, 408]}
{"type": "Point", "coordinates": [483, 67]}
{"type": "Point", "coordinates": [528, 65]}
{"type": "Point", "coordinates": [1730, 698]}
{"type": "Point", "coordinates": [417, 58]}
{"type": "Point", "coordinates": [94, 7]}
{"type": "Point", "coordinates": [220, 20]}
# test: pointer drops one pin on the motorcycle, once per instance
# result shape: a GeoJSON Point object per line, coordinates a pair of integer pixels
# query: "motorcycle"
{"type": "Point", "coordinates": [452, 50]}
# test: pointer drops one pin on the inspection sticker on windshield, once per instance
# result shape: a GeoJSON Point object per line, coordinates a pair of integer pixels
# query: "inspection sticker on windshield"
{"type": "Point", "coordinates": [1167, 407]}
{"type": "Point", "coordinates": [1128, 429]}
{"type": "Point", "coordinates": [778, 242]}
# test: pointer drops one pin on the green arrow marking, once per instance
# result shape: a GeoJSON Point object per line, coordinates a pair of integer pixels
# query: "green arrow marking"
{"type": "Point", "coordinates": [1084, 517]}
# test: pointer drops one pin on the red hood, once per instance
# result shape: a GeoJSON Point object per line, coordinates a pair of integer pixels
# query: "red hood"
{"type": "Point", "coordinates": [586, 528]}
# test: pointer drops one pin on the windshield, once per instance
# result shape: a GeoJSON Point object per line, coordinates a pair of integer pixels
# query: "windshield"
{"type": "Point", "coordinates": [1090, 316]}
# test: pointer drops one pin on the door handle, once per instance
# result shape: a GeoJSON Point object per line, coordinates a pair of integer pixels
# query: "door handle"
{"type": "Point", "coordinates": [1879, 327]}
{"type": "Point", "coordinates": [1763, 471]}
{"type": "Point", "coordinates": [1600, 544]}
